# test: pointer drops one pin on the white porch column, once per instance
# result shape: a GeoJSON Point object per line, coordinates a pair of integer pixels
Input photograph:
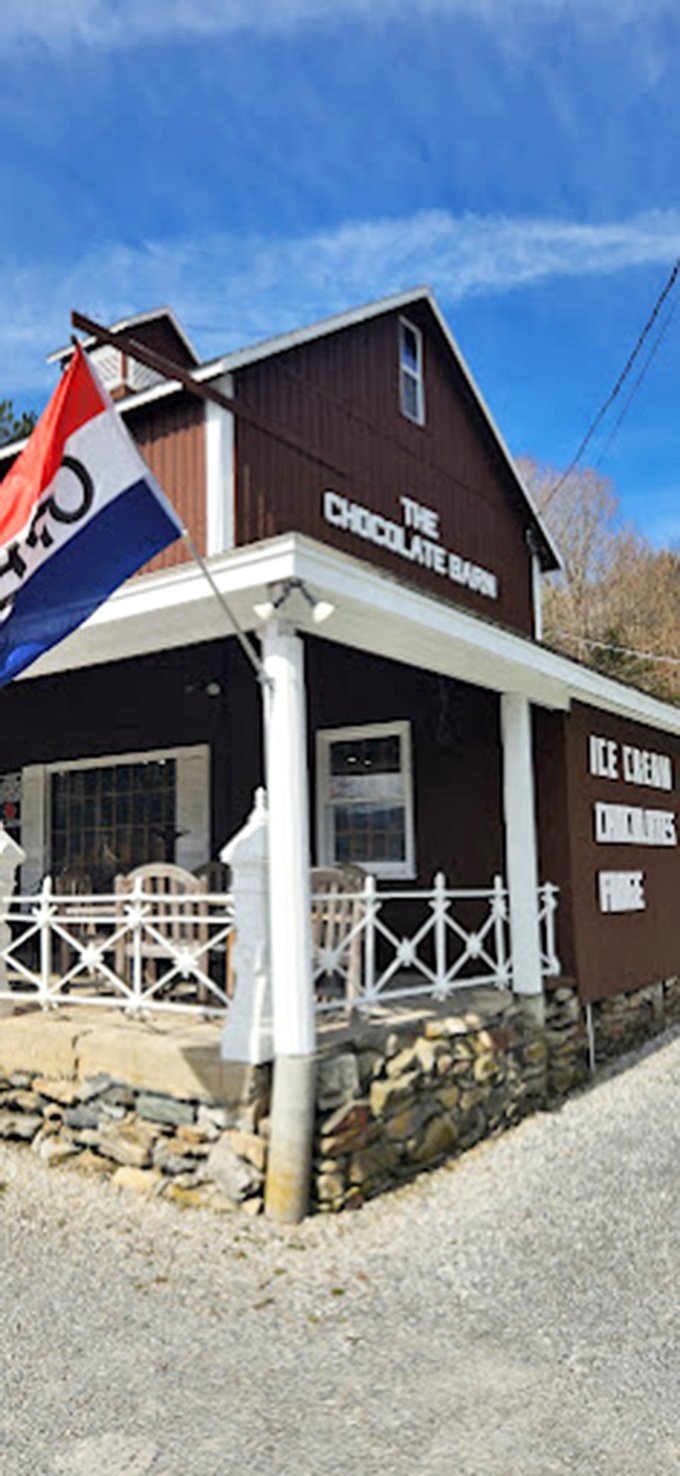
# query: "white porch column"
{"type": "Point", "coordinates": [288, 1171]}
{"type": "Point", "coordinates": [520, 843]}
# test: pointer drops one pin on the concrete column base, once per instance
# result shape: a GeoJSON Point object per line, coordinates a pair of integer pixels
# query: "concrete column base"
{"type": "Point", "coordinates": [289, 1162]}
{"type": "Point", "coordinates": [533, 1006]}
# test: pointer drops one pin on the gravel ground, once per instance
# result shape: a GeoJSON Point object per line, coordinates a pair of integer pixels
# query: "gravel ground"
{"type": "Point", "coordinates": [513, 1314]}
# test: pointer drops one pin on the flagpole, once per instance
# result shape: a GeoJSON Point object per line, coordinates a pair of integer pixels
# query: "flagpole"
{"type": "Point", "coordinates": [244, 643]}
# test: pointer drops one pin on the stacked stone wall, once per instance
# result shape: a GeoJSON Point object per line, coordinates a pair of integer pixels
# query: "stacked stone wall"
{"type": "Point", "coordinates": [402, 1098]}
{"type": "Point", "coordinates": [619, 1024]}
{"type": "Point", "coordinates": [192, 1152]}
{"type": "Point", "coordinates": [393, 1099]}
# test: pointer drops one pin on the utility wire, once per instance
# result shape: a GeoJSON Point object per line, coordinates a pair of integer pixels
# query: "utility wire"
{"type": "Point", "coordinates": [579, 640]}
{"type": "Point", "coordinates": [636, 386]}
{"type": "Point", "coordinates": [619, 383]}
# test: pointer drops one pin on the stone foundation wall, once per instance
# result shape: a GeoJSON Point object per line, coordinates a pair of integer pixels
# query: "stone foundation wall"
{"type": "Point", "coordinates": [193, 1152]}
{"type": "Point", "coordinates": [627, 1020]}
{"type": "Point", "coordinates": [401, 1098]}
{"type": "Point", "coordinates": [620, 1023]}
{"type": "Point", "coordinates": [393, 1099]}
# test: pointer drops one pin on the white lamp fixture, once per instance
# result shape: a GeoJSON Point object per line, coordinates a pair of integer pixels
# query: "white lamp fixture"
{"type": "Point", "coordinates": [321, 609]}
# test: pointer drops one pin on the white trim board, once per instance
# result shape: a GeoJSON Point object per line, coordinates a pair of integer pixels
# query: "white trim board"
{"type": "Point", "coordinates": [374, 611]}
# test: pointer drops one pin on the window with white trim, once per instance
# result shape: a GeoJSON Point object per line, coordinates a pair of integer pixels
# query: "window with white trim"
{"type": "Point", "coordinates": [411, 384]}
{"type": "Point", "coordinates": [365, 798]}
{"type": "Point", "coordinates": [108, 814]}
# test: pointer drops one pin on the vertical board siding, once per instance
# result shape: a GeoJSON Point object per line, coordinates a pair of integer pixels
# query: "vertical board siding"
{"type": "Point", "coordinates": [171, 437]}
{"type": "Point", "coordinates": [339, 397]}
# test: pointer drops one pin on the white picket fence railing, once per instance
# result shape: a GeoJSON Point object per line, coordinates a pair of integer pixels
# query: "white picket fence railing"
{"type": "Point", "coordinates": [139, 951]}
{"type": "Point", "coordinates": [145, 953]}
{"type": "Point", "coordinates": [400, 944]}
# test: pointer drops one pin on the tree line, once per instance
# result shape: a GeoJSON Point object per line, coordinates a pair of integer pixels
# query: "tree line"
{"type": "Point", "coordinates": [618, 594]}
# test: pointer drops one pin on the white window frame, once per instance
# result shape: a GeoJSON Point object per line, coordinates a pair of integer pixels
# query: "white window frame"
{"type": "Point", "coordinates": [416, 375]}
{"type": "Point", "coordinates": [192, 804]}
{"type": "Point", "coordinates": [398, 870]}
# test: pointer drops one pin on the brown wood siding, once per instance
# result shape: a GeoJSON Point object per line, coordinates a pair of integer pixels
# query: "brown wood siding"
{"type": "Point", "coordinates": [456, 754]}
{"type": "Point", "coordinates": [552, 823]}
{"type": "Point", "coordinates": [159, 701]}
{"type": "Point", "coordinates": [154, 701]}
{"type": "Point", "coordinates": [171, 437]}
{"type": "Point", "coordinates": [339, 397]}
{"type": "Point", "coordinates": [617, 951]}
{"type": "Point", "coordinates": [158, 334]}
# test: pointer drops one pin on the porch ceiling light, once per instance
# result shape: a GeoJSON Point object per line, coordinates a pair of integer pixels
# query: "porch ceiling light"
{"type": "Point", "coordinates": [321, 609]}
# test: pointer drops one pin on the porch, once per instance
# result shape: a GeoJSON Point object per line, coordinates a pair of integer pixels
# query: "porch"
{"type": "Point", "coordinates": [147, 952]}
{"type": "Point", "coordinates": [414, 726]}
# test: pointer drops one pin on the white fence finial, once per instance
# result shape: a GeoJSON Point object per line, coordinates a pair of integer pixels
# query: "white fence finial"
{"type": "Point", "coordinates": [248, 1029]}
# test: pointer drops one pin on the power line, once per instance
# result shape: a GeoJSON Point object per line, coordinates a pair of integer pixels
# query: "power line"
{"type": "Point", "coordinates": [619, 383]}
{"type": "Point", "coordinates": [579, 640]}
{"type": "Point", "coordinates": [637, 383]}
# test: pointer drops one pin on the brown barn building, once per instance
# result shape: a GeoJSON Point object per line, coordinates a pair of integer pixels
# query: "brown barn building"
{"type": "Point", "coordinates": [441, 734]}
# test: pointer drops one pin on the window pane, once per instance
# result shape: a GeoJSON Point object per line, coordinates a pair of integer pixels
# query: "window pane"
{"type": "Point", "coordinates": [368, 833]}
{"type": "Point", "coordinates": [410, 399]}
{"type": "Point", "coordinates": [109, 818]}
{"type": "Point", "coordinates": [367, 755]}
{"type": "Point", "coordinates": [409, 348]}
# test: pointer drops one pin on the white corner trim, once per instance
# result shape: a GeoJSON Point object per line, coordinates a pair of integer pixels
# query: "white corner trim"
{"type": "Point", "coordinates": [219, 472]}
{"type": "Point", "coordinates": [537, 596]}
{"type": "Point", "coordinates": [520, 843]}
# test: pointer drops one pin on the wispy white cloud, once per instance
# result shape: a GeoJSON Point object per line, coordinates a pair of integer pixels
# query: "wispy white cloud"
{"type": "Point", "coordinates": [229, 291]}
{"type": "Point", "coordinates": [122, 23]}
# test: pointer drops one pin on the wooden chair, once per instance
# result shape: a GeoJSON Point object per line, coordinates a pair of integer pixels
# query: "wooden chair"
{"type": "Point", "coordinates": [336, 910]}
{"type": "Point", "coordinates": [214, 878]}
{"type": "Point", "coordinates": [183, 926]}
{"type": "Point", "coordinates": [80, 919]}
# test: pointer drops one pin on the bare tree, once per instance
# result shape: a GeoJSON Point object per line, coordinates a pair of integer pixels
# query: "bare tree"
{"type": "Point", "coordinates": [617, 605]}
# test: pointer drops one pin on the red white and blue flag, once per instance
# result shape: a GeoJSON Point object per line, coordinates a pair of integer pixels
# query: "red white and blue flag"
{"type": "Point", "coordinates": [79, 512]}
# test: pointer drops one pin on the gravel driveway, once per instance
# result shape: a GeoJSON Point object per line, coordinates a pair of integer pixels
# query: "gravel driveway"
{"type": "Point", "coordinates": [515, 1313]}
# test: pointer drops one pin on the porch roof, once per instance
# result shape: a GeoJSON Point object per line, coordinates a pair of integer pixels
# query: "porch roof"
{"type": "Point", "coordinates": [374, 612]}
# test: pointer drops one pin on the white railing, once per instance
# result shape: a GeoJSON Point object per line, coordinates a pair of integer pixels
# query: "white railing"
{"type": "Point", "coordinates": [400, 944]}
{"type": "Point", "coordinates": [145, 952]}
{"type": "Point", "coordinates": [140, 950]}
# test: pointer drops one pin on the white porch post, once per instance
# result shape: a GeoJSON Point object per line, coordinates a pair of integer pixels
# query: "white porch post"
{"type": "Point", "coordinates": [520, 844]}
{"type": "Point", "coordinates": [288, 1171]}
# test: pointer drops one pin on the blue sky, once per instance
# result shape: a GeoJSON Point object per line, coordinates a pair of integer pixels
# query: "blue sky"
{"type": "Point", "coordinates": [258, 165]}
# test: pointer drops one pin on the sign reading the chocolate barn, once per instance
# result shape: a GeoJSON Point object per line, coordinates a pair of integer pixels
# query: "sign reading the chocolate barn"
{"type": "Point", "coordinates": [416, 538]}
{"type": "Point", "coordinates": [634, 825]}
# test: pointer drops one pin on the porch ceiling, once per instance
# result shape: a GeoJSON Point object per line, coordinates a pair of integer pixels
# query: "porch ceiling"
{"type": "Point", "coordinates": [373, 612]}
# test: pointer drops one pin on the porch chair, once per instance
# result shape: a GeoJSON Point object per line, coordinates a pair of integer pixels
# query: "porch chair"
{"type": "Point", "coordinates": [336, 910]}
{"type": "Point", "coordinates": [214, 878]}
{"type": "Point", "coordinates": [81, 919]}
{"type": "Point", "coordinates": [168, 885]}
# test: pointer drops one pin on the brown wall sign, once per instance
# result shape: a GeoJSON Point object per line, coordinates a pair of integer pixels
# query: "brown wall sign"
{"type": "Point", "coordinates": [625, 856]}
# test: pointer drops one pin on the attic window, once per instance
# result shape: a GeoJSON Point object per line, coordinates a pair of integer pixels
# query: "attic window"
{"type": "Point", "coordinates": [411, 387]}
